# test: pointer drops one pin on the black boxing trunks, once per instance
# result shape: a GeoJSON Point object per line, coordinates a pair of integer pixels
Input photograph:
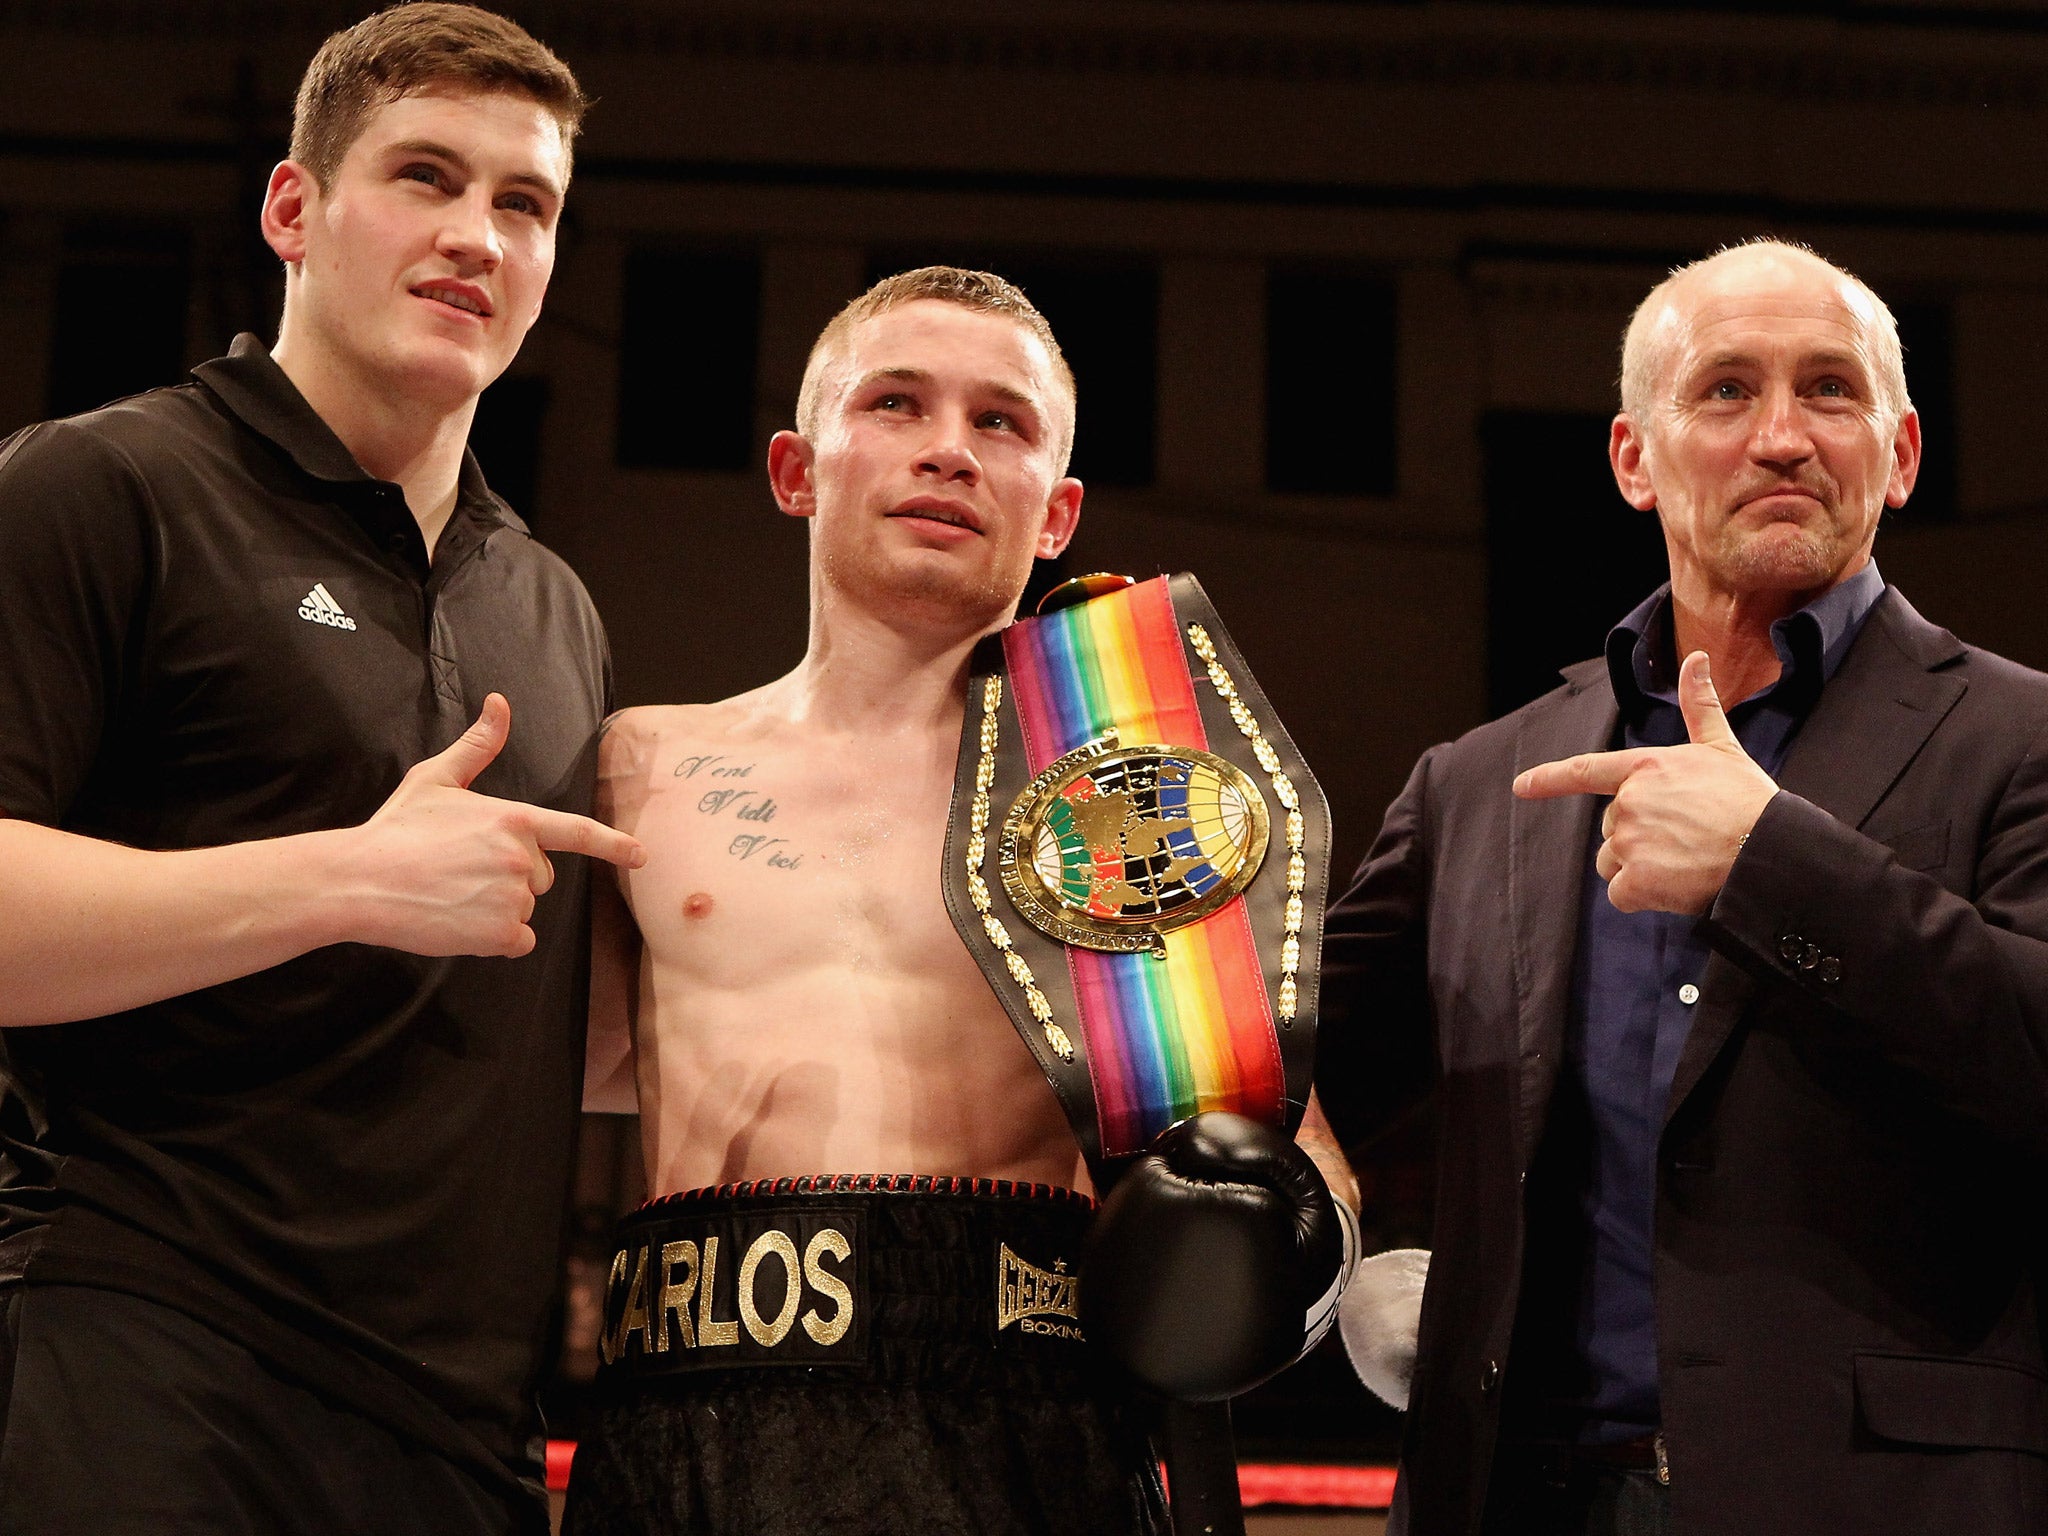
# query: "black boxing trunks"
{"type": "Point", "coordinates": [857, 1354]}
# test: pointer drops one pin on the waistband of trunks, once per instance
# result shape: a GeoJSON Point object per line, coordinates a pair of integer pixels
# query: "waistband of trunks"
{"type": "Point", "coordinates": [865, 1184]}
{"type": "Point", "coordinates": [905, 1278]}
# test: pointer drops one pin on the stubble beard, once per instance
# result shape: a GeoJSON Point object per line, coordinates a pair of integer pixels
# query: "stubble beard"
{"type": "Point", "coordinates": [948, 593]}
{"type": "Point", "coordinates": [1778, 559]}
{"type": "Point", "coordinates": [1785, 556]}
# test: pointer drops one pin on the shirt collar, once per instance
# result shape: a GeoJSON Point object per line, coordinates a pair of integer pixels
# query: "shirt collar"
{"type": "Point", "coordinates": [260, 395]}
{"type": "Point", "coordinates": [1642, 657]}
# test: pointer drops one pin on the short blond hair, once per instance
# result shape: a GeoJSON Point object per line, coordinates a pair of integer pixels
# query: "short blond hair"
{"type": "Point", "coordinates": [1644, 348]}
{"type": "Point", "coordinates": [983, 292]}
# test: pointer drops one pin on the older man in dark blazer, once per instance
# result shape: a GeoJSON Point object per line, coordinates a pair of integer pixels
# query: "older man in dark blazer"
{"type": "Point", "coordinates": [1738, 1018]}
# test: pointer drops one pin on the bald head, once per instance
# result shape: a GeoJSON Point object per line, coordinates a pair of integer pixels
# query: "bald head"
{"type": "Point", "coordinates": [1765, 420]}
{"type": "Point", "coordinates": [1659, 324]}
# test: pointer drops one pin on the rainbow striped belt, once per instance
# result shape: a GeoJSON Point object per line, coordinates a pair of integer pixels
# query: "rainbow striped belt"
{"type": "Point", "coordinates": [1131, 844]}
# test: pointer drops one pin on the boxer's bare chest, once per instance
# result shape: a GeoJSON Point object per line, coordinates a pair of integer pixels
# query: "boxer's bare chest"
{"type": "Point", "coordinates": [776, 853]}
{"type": "Point", "coordinates": [806, 1001]}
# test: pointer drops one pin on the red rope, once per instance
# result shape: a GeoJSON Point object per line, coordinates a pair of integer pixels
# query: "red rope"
{"type": "Point", "coordinates": [1315, 1486]}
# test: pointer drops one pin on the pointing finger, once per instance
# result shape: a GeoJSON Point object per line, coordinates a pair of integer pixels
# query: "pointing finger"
{"type": "Point", "coordinates": [475, 749]}
{"type": "Point", "coordinates": [1700, 702]}
{"type": "Point", "coordinates": [561, 832]}
{"type": "Point", "coordinates": [1590, 773]}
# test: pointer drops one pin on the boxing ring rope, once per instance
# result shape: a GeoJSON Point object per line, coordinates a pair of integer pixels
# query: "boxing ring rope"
{"type": "Point", "coordinates": [1314, 1486]}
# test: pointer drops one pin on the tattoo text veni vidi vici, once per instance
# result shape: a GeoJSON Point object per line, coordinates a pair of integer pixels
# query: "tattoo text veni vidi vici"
{"type": "Point", "coordinates": [736, 802]}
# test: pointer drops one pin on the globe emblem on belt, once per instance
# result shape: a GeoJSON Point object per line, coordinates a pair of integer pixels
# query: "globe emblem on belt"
{"type": "Point", "coordinates": [1110, 847]}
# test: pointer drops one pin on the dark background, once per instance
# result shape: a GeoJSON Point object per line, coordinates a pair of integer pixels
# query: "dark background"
{"type": "Point", "coordinates": [1342, 284]}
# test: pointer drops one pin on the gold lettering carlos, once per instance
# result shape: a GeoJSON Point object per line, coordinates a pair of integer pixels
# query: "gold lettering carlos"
{"type": "Point", "coordinates": [710, 1333]}
{"type": "Point", "coordinates": [825, 1283]}
{"type": "Point", "coordinates": [764, 1332]}
{"type": "Point", "coordinates": [607, 1345]}
{"type": "Point", "coordinates": [648, 1287]}
{"type": "Point", "coordinates": [674, 1295]}
{"type": "Point", "coordinates": [634, 1319]}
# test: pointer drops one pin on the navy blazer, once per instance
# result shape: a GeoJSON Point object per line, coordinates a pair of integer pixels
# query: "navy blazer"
{"type": "Point", "coordinates": [1851, 1218]}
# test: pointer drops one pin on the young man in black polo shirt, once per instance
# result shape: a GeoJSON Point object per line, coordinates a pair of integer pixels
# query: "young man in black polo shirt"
{"type": "Point", "coordinates": [293, 991]}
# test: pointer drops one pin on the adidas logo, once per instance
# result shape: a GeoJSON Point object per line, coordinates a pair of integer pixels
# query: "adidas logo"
{"type": "Point", "coordinates": [319, 607]}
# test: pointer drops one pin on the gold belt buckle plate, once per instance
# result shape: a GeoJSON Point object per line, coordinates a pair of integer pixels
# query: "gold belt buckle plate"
{"type": "Point", "coordinates": [1111, 847]}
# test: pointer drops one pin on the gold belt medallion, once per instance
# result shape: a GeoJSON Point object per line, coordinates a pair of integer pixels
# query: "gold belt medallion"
{"type": "Point", "coordinates": [1110, 847]}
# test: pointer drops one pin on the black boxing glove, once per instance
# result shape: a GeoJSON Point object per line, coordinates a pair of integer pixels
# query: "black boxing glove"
{"type": "Point", "coordinates": [1216, 1261]}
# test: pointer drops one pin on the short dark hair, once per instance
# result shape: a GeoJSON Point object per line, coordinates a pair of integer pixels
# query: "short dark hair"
{"type": "Point", "coordinates": [410, 48]}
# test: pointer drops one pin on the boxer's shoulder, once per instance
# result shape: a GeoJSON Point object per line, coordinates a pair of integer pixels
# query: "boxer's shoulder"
{"type": "Point", "coordinates": [625, 747]}
{"type": "Point", "coordinates": [651, 729]}
{"type": "Point", "coordinates": [643, 724]}
{"type": "Point", "coordinates": [635, 742]}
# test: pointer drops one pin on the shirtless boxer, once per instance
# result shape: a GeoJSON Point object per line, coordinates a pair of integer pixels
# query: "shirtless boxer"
{"type": "Point", "coordinates": [800, 1003]}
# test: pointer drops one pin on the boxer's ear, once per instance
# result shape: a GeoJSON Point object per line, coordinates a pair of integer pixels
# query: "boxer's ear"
{"type": "Point", "coordinates": [789, 474]}
{"type": "Point", "coordinates": [1062, 517]}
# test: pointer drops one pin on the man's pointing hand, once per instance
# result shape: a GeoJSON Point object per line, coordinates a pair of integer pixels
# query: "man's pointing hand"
{"type": "Point", "coordinates": [1678, 814]}
{"type": "Point", "coordinates": [447, 871]}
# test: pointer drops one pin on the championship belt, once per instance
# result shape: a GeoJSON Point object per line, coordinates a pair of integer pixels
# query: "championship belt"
{"type": "Point", "coordinates": [1137, 858]}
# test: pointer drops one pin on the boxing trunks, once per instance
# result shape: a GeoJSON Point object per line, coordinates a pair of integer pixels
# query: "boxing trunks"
{"type": "Point", "coordinates": [857, 1353]}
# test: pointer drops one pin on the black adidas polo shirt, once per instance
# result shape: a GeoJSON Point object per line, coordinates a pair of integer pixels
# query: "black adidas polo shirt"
{"type": "Point", "coordinates": [215, 627]}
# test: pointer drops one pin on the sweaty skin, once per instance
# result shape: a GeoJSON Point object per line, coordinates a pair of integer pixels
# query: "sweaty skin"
{"type": "Point", "coordinates": [796, 999]}
{"type": "Point", "coordinates": [805, 1003]}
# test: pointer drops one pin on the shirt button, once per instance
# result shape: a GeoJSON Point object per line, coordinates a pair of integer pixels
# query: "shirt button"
{"type": "Point", "coordinates": [1688, 994]}
{"type": "Point", "coordinates": [1490, 1377]}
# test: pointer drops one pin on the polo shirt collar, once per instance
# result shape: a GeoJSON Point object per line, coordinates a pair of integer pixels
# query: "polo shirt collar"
{"type": "Point", "coordinates": [1642, 655]}
{"type": "Point", "coordinates": [260, 394]}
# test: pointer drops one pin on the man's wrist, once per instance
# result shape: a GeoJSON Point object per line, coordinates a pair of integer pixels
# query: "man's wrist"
{"type": "Point", "coordinates": [329, 905]}
{"type": "Point", "coordinates": [1742, 838]}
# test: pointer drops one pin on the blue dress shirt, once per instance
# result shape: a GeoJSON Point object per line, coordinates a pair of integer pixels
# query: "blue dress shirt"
{"type": "Point", "coordinates": [1588, 1315]}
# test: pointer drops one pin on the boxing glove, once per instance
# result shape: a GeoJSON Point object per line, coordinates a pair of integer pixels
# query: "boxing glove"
{"type": "Point", "coordinates": [1216, 1261]}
